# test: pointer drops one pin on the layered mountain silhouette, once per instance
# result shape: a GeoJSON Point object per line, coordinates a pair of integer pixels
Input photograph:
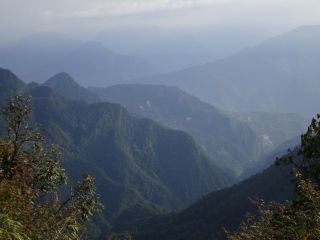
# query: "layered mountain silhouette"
{"type": "Point", "coordinates": [134, 160]}
{"type": "Point", "coordinates": [143, 161]}
{"type": "Point", "coordinates": [230, 142]}
{"type": "Point", "coordinates": [279, 75]}
{"type": "Point", "coordinates": [40, 56]}
{"type": "Point", "coordinates": [237, 141]}
{"type": "Point", "coordinates": [221, 209]}
{"type": "Point", "coordinates": [64, 85]}
{"type": "Point", "coordinates": [234, 141]}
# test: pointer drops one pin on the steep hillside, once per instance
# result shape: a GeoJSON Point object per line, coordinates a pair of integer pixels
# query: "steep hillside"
{"type": "Point", "coordinates": [230, 142]}
{"type": "Point", "coordinates": [238, 139]}
{"type": "Point", "coordinates": [225, 208]}
{"type": "Point", "coordinates": [275, 129]}
{"type": "Point", "coordinates": [10, 85]}
{"type": "Point", "coordinates": [278, 75]}
{"type": "Point", "coordinates": [133, 160]}
{"type": "Point", "coordinates": [269, 158]}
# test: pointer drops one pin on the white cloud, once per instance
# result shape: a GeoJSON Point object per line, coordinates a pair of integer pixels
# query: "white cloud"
{"type": "Point", "coordinates": [94, 15]}
{"type": "Point", "coordinates": [125, 7]}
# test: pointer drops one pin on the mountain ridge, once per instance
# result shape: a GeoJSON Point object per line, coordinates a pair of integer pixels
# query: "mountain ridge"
{"type": "Point", "coordinates": [40, 56]}
{"type": "Point", "coordinates": [64, 85]}
{"type": "Point", "coordinates": [262, 72]}
{"type": "Point", "coordinates": [134, 160]}
{"type": "Point", "coordinates": [238, 141]}
{"type": "Point", "coordinates": [225, 208]}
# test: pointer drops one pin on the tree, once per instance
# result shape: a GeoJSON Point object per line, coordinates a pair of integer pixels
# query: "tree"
{"type": "Point", "coordinates": [299, 218]}
{"type": "Point", "coordinates": [31, 176]}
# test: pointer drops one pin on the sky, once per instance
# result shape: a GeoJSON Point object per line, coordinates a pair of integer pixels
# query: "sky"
{"type": "Point", "coordinates": [86, 17]}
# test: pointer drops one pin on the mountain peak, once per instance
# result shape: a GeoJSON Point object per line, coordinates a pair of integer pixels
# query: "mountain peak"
{"type": "Point", "coordinates": [10, 84]}
{"type": "Point", "coordinates": [61, 78]}
{"type": "Point", "coordinates": [5, 72]}
{"type": "Point", "coordinates": [10, 78]}
{"type": "Point", "coordinates": [64, 85]}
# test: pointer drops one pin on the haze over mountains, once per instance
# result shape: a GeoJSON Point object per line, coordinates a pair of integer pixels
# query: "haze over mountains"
{"type": "Point", "coordinates": [174, 49]}
{"type": "Point", "coordinates": [279, 75]}
{"type": "Point", "coordinates": [221, 209]}
{"type": "Point", "coordinates": [117, 55]}
{"type": "Point", "coordinates": [211, 127]}
{"type": "Point", "coordinates": [236, 142]}
{"type": "Point", "coordinates": [134, 161]}
{"type": "Point", "coordinates": [159, 143]}
{"type": "Point", "coordinates": [233, 142]}
{"type": "Point", "coordinates": [141, 166]}
{"type": "Point", "coordinates": [40, 56]}
{"type": "Point", "coordinates": [264, 72]}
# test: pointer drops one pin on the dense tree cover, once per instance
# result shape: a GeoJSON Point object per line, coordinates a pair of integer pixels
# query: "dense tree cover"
{"type": "Point", "coordinates": [205, 218]}
{"type": "Point", "coordinates": [134, 161]}
{"type": "Point", "coordinates": [31, 206]}
{"type": "Point", "coordinates": [231, 143]}
{"type": "Point", "coordinates": [237, 144]}
{"type": "Point", "coordinates": [299, 218]}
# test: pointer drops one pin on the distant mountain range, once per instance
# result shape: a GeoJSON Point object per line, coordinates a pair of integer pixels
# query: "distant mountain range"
{"type": "Point", "coordinates": [142, 167]}
{"type": "Point", "coordinates": [230, 142]}
{"type": "Point", "coordinates": [171, 49]}
{"type": "Point", "coordinates": [279, 75]}
{"type": "Point", "coordinates": [40, 56]}
{"type": "Point", "coordinates": [134, 160]}
{"type": "Point", "coordinates": [234, 141]}
{"type": "Point", "coordinates": [237, 141]}
{"type": "Point", "coordinates": [145, 154]}
{"type": "Point", "coordinates": [223, 208]}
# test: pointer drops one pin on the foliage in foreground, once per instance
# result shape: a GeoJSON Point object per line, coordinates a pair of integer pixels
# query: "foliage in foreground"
{"type": "Point", "coordinates": [300, 218]}
{"type": "Point", "coordinates": [31, 206]}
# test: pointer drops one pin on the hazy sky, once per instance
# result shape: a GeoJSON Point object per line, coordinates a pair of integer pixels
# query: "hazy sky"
{"type": "Point", "coordinates": [20, 17]}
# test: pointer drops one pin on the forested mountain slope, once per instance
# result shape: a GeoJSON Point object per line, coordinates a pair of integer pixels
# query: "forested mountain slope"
{"type": "Point", "coordinates": [133, 160]}
{"type": "Point", "coordinates": [225, 208]}
{"type": "Point", "coordinates": [230, 142]}
{"type": "Point", "coordinates": [239, 140]}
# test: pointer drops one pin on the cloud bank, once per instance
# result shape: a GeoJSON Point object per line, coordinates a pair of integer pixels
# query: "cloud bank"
{"type": "Point", "coordinates": [20, 17]}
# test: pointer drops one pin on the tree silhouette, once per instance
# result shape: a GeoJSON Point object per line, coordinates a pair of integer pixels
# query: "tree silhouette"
{"type": "Point", "coordinates": [299, 218]}
{"type": "Point", "coordinates": [31, 176]}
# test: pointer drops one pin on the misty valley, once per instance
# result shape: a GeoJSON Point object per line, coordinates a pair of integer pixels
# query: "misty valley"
{"type": "Point", "coordinates": [160, 134]}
